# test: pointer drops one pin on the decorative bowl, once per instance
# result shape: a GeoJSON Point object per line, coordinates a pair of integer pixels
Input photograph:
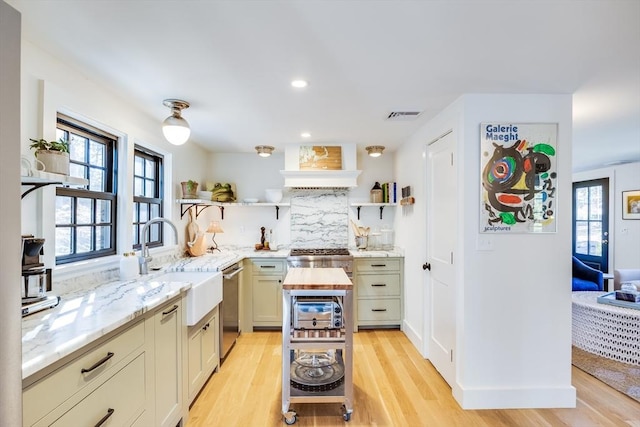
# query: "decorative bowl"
{"type": "Point", "coordinates": [273, 195]}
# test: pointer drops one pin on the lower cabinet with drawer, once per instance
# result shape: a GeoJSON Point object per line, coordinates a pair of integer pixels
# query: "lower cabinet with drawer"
{"type": "Point", "coordinates": [267, 275]}
{"type": "Point", "coordinates": [130, 377]}
{"type": "Point", "coordinates": [378, 283]}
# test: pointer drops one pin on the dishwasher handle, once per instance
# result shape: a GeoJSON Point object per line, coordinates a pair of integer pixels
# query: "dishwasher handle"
{"type": "Point", "coordinates": [229, 273]}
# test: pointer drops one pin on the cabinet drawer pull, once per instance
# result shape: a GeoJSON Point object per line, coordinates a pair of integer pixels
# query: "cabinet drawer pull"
{"type": "Point", "coordinates": [378, 284]}
{"type": "Point", "coordinates": [267, 266]}
{"type": "Point", "coordinates": [378, 265]}
{"type": "Point", "coordinates": [174, 308]}
{"type": "Point", "coordinates": [378, 309]}
{"type": "Point", "coordinates": [97, 364]}
{"type": "Point", "coordinates": [104, 419]}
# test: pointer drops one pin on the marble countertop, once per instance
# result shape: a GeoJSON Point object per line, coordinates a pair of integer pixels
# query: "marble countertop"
{"type": "Point", "coordinates": [89, 313]}
{"type": "Point", "coordinates": [86, 315]}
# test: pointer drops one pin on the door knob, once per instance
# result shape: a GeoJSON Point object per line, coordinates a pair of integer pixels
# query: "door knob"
{"type": "Point", "coordinates": [426, 266]}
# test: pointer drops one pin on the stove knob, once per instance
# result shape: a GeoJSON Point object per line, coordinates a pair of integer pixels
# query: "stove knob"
{"type": "Point", "coordinates": [337, 309]}
{"type": "Point", "coordinates": [337, 324]}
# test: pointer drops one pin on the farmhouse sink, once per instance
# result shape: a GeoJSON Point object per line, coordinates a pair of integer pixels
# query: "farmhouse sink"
{"type": "Point", "coordinates": [205, 292]}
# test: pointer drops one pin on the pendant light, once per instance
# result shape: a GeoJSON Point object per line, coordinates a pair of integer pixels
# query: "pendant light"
{"type": "Point", "coordinates": [176, 129]}
{"type": "Point", "coordinates": [375, 150]}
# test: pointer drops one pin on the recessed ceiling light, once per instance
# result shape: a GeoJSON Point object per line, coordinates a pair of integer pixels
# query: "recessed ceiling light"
{"type": "Point", "coordinates": [305, 135]}
{"type": "Point", "coordinates": [299, 83]}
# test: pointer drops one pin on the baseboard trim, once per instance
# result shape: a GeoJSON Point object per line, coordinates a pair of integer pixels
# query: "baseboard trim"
{"type": "Point", "coordinates": [414, 337]}
{"type": "Point", "coordinates": [515, 398]}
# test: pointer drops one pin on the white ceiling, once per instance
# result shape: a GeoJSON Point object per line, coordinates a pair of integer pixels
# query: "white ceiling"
{"type": "Point", "coordinates": [234, 60]}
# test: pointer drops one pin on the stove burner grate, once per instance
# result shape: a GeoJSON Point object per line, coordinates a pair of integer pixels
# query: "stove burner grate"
{"type": "Point", "coordinates": [319, 251]}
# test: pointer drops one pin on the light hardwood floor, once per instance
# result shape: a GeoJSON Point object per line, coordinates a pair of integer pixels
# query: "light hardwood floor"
{"type": "Point", "coordinates": [393, 386]}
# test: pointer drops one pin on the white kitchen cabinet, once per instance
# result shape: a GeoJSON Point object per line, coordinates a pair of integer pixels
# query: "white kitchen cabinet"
{"type": "Point", "coordinates": [168, 323]}
{"type": "Point", "coordinates": [379, 290]}
{"type": "Point", "coordinates": [204, 353]}
{"type": "Point", "coordinates": [108, 378]}
{"type": "Point", "coordinates": [267, 275]}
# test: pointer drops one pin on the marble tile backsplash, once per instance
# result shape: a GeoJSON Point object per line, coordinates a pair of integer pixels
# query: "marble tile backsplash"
{"type": "Point", "coordinates": [319, 218]}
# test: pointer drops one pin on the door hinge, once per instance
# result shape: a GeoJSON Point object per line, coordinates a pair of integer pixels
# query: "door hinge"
{"type": "Point", "coordinates": [451, 257]}
{"type": "Point", "coordinates": [451, 355]}
{"type": "Point", "coordinates": [451, 158]}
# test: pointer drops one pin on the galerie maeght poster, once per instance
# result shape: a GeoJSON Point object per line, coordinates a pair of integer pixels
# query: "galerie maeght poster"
{"type": "Point", "coordinates": [519, 177]}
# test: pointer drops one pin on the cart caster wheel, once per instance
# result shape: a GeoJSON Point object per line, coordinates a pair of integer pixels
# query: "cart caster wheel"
{"type": "Point", "coordinates": [345, 415]}
{"type": "Point", "coordinates": [291, 420]}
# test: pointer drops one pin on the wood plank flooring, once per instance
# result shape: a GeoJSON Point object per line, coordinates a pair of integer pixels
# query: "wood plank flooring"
{"type": "Point", "coordinates": [393, 386]}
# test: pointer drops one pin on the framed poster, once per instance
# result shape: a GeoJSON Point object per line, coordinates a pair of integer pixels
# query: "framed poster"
{"type": "Point", "coordinates": [631, 204]}
{"type": "Point", "coordinates": [518, 177]}
{"type": "Point", "coordinates": [320, 157]}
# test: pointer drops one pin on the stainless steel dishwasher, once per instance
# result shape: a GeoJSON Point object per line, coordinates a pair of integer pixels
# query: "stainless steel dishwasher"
{"type": "Point", "coordinates": [230, 319]}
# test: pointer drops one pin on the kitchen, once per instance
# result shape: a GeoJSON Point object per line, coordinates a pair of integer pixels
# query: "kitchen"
{"type": "Point", "coordinates": [49, 85]}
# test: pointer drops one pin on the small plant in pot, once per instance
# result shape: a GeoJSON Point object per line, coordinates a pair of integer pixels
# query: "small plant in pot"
{"type": "Point", "coordinates": [52, 156]}
{"type": "Point", "coordinates": [189, 189]}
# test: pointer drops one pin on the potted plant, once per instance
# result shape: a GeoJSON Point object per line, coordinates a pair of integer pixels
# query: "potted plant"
{"type": "Point", "coordinates": [189, 189]}
{"type": "Point", "coordinates": [52, 156]}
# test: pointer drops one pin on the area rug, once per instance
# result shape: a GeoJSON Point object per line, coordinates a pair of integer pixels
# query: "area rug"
{"type": "Point", "coordinates": [621, 376]}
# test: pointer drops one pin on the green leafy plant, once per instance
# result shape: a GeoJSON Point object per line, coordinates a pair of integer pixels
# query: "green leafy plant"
{"type": "Point", "coordinates": [192, 186]}
{"type": "Point", "coordinates": [42, 144]}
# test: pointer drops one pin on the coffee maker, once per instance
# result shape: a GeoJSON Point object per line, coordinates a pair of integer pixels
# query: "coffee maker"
{"type": "Point", "coordinates": [35, 277]}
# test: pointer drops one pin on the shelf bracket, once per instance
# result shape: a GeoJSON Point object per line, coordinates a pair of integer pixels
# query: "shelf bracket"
{"type": "Point", "coordinates": [277, 212]}
{"type": "Point", "coordinates": [381, 209]}
{"type": "Point", "coordinates": [199, 208]}
{"type": "Point", "coordinates": [221, 212]}
{"type": "Point", "coordinates": [35, 186]}
{"type": "Point", "coordinates": [358, 208]}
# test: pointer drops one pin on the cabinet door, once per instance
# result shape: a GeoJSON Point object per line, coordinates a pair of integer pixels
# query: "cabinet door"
{"type": "Point", "coordinates": [210, 344]}
{"type": "Point", "coordinates": [267, 300]}
{"type": "Point", "coordinates": [168, 363]}
{"type": "Point", "coordinates": [196, 364]}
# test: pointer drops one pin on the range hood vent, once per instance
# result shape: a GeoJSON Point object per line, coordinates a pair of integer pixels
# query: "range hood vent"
{"type": "Point", "coordinates": [347, 177]}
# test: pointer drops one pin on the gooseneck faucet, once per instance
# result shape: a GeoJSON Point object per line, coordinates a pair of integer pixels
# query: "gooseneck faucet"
{"type": "Point", "coordinates": [144, 250]}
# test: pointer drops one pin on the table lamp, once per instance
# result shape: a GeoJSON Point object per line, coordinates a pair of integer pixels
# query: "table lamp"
{"type": "Point", "coordinates": [214, 227]}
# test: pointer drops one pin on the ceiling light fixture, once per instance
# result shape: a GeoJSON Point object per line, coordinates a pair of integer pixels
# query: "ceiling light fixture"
{"type": "Point", "coordinates": [264, 150]}
{"type": "Point", "coordinates": [375, 150]}
{"type": "Point", "coordinates": [176, 129]}
{"type": "Point", "coordinates": [305, 135]}
{"type": "Point", "coordinates": [299, 83]}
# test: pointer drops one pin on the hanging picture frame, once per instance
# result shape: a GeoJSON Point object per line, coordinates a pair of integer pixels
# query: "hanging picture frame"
{"type": "Point", "coordinates": [631, 204]}
{"type": "Point", "coordinates": [518, 182]}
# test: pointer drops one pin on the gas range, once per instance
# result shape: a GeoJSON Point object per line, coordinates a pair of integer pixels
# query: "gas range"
{"type": "Point", "coordinates": [321, 258]}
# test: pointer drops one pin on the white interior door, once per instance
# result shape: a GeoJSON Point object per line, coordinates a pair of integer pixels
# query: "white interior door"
{"type": "Point", "coordinates": [441, 238]}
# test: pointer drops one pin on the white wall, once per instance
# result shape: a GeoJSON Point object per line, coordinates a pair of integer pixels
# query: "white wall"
{"type": "Point", "coordinates": [624, 249]}
{"type": "Point", "coordinates": [10, 332]}
{"type": "Point", "coordinates": [50, 86]}
{"type": "Point", "coordinates": [513, 318]}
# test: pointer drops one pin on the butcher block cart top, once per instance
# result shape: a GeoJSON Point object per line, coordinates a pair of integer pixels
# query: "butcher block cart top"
{"type": "Point", "coordinates": [320, 283]}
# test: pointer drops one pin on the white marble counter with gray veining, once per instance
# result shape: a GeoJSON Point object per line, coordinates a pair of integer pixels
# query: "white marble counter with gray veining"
{"type": "Point", "coordinates": [88, 314]}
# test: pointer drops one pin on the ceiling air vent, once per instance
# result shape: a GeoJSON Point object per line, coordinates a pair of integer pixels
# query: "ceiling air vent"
{"type": "Point", "coordinates": [403, 115]}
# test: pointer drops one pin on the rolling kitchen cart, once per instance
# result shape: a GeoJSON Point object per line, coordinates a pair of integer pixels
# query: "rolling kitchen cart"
{"type": "Point", "coordinates": [317, 353]}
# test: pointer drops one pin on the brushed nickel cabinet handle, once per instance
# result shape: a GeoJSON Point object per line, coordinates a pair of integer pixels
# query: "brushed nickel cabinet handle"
{"type": "Point", "coordinates": [97, 364]}
{"type": "Point", "coordinates": [171, 310]}
{"type": "Point", "coordinates": [104, 419]}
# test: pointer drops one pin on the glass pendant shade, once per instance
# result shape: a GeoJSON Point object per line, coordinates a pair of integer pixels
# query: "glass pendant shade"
{"type": "Point", "coordinates": [176, 130]}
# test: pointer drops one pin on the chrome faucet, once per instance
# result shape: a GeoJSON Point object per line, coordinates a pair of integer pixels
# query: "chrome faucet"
{"type": "Point", "coordinates": [144, 250]}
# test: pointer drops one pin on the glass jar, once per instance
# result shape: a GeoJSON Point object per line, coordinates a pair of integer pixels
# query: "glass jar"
{"type": "Point", "coordinates": [376, 193]}
{"type": "Point", "coordinates": [386, 238]}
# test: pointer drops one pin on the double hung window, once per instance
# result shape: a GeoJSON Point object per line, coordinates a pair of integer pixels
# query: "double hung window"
{"type": "Point", "coordinates": [85, 218]}
{"type": "Point", "coordinates": [147, 196]}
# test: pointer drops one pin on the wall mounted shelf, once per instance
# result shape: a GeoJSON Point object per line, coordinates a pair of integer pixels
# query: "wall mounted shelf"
{"type": "Point", "coordinates": [367, 204]}
{"type": "Point", "coordinates": [40, 179]}
{"type": "Point", "coordinates": [200, 205]}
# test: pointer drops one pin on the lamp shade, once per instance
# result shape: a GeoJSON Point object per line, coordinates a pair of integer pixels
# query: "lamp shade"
{"type": "Point", "coordinates": [214, 227]}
